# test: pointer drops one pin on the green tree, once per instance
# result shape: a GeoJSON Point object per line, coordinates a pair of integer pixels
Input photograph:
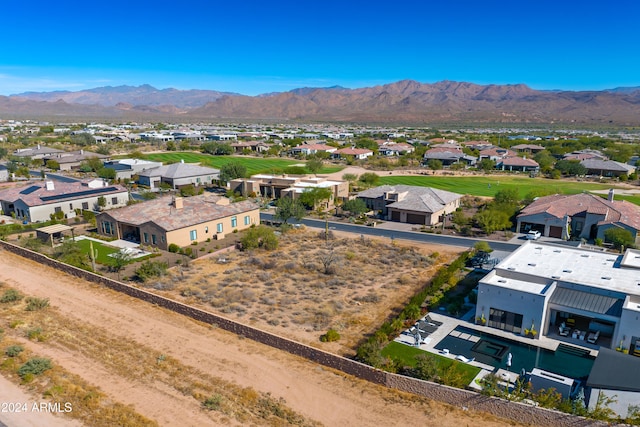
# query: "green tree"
{"type": "Point", "coordinates": [350, 177]}
{"type": "Point", "coordinates": [287, 208]}
{"type": "Point", "coordinates": [482, 246]}
{"type": "Point", "coordinates": [369, 179]}
{"type": "Point", "coordinates": [171, 146]}
{"type": "Point", "coordinates": [508, 196]}
{"type": "Point", "coordinates": [83, 139]}
{"type": "Point", "coordinates": [619, 237]}
{"type": "Point", "coordinates": [570, 167]}
{"type": "Point", "coordinates": [119, 261]}
{"type": "Point", "coordinates": [149, 269]}
{"type": "Point", "coordinates": [106, 173]}
{"type": "Point", "coordinates": [426, 368]}
{"type": "Point", "coordinates": [355, 206]}
{"type": "Point", "coordinates": [102, 202]}
{"type": "Point", "coordinates": [545, 160]}
{"type": "Point", "coordinates": [486, 165]}
{"type": "Point", "coordinates": [314, 165]}
{"type": "Point", "coordinates": [232, 170]}
{"type": "Point", "coordinates": [490, 220]}
{"type": "Point", "coordinates": [217, 148]}
{"type": "Point", "coordinates": [259, 237]}
{"type": "Point", "coordinates": [53, 165]}
{"type": "Point", "coordinates": [312, 197]}
{"type": "Point", "coordinates": [434, 164]}
{"type": "Point", "coordinates": [71, 253]}
{"type": "Point", "coordinates": [3, 152]}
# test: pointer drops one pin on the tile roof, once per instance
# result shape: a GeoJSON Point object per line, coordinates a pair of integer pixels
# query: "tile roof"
{"type": "Point", "coordinates": [559, 205]}
{"type": "Point", "coordinates": [418, 199]}
{"type": "Point", "coordinates": [353, 151]}
{"type": "Point", "coordinates": [607, 165]}
{"type": "Point", "coordinates": [518, 161]}
{"type": "Point", "coordinates": [180, 170]}
{"type": "Point", "coordinates": [195, 210]}
{"type": "Point", "coordinates": [36, 193]}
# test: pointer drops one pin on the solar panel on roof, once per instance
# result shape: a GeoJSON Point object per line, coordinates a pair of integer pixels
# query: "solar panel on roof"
{"type": "Point", "coordinates": [79, 194]}
{"type": "Point", "coordinates": [30, 189]}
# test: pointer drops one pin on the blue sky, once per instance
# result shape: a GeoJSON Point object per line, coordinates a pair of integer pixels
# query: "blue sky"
{"type": "Point", "coordinates": [255, 47]}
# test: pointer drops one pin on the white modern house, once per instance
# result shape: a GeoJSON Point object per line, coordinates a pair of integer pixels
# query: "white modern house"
{"type": "Point", "coordinates": [573, 294]}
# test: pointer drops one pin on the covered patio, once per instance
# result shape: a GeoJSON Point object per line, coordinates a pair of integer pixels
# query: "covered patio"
{"type": "Point", "coordinates": [53, 233]}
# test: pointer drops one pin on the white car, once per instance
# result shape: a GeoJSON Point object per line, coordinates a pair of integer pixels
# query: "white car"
{"type": "Point", "coordinates": [533, 235]}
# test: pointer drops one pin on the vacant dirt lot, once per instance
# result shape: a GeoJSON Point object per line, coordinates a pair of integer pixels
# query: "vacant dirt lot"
{"type": "Point", "coordinates": [310, 284]}
{"type": "Point", "coordinates": [116, 343]}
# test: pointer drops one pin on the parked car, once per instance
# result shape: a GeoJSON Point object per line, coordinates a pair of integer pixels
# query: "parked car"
{"type": "Point", "coordinates": [533, 235]}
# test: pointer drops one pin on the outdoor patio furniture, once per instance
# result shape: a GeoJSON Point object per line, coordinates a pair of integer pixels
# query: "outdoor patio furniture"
{"type": "Point", "coordinates": [593, 337]}
{"type": "Point", "coordinates": [463, 359]}
{"type": "Point", "coordinates": [564, 331]}
{"type": "Point", "coordinates": [575, 334]}
{"type": "Point", "coordinates": [582, 335]}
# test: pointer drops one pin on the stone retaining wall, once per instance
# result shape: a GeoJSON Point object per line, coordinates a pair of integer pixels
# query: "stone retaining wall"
{"type": "Point", "coordinates": [461, 398]}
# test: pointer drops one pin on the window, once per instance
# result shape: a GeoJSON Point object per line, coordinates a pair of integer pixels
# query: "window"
{"type": "Point", "coordinates": [162, 238]}
{"type": "Point", "coordinates": [505, 320]}
{"type": "Point", "coordinates": [58, 209]}
{"type": "Point", "coordinates": [219, 228]}
{"type": "Point", "coordinates": [114, 200]}
{"type": "Point", "coordinates": [153, 239]}
{"type": "Point", "coordinates": [206, 229]}
{"type": "Point", "coordinates": [70, 206]}
{"type": "Point", "coordinates": [193, 235]}
{"type": "Point", "coordinates": [247, 220]}
{"type": "Point", "coordinates": [85, 205]}
{"type": "Point", "coordinates": [146, 237]}
{"type": "Point", "coordinates": [234, 221]}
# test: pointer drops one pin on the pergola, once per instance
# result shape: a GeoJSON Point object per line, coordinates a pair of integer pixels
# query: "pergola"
{"type": "Point", "coordinates": [51, 232]}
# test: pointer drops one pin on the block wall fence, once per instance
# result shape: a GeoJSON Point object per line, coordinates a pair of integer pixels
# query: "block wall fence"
{"type": "Point", "coordinates": [515, 411]}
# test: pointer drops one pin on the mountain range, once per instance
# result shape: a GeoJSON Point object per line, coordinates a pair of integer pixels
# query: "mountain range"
{"type": "Point", "coordinates": [403, 102]}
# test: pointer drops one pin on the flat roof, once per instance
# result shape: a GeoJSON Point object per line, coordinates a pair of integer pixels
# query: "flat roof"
{"type": "Point", "coordinates": [55, 228]}
{"type": "Point", "coordinates": [543, 261]}
{"type": "Point", "coordinates": [519, 285]}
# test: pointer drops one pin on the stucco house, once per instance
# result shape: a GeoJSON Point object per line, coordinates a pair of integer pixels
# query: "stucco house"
{"type": "Point", "coordinates": [356, 153]}
{"type": "Point", "coordinates": [607, 168]}
{"type": "Point", "coordinates": [127, 168]}
{"type": "Point", "coordinates": [582, 297]}
{"type": "Point", "coordinates": [178, 175]}
{"type": "Point", "coordinates": [181, 221]}
{"type": "Point", "coordinates": [579, 216]}
{"type": "Point", "coordinates": [411, 204]}
{"type": "Point", "coordinates": [37, 201]}
{"type": "Point", "coordinates": [517, 164]}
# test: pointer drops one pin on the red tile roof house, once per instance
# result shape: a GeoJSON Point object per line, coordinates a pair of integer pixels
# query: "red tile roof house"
{"type": "Point", "coordinates": [39, 200]}
{"type": "Point", "coordinates": [182, 221]}
{"type": "Point", "coordinates": [588, 215]}
{"type": "Point", "coordinates": [357, 153]}
{"type": "Point", "coordinates": [496, 153]}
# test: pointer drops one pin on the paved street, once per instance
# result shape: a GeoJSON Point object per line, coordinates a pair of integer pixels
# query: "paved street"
{"type": "Point", "coordinates": [397, 233]}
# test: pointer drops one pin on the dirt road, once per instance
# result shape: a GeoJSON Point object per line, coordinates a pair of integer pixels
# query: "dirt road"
{"type": "Point", "coordinates": [313, 391]}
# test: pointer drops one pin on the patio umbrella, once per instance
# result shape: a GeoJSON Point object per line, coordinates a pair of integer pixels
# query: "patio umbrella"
{"type": "Point", "coordinates": [509, 357]}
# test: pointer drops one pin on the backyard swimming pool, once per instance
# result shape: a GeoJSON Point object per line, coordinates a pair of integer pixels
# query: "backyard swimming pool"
{"type": "Point", "coordinates": [492, 350]}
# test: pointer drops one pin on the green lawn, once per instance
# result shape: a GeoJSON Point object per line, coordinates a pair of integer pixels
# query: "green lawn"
{"type": "Point", "coordinates": [103, 250]}
{"type": "Point", "coordinates": [407, 354]}
{"type": "Point", "coordinates": [254, 165]}
{"type": "Point", "coordinates": [488, 186]}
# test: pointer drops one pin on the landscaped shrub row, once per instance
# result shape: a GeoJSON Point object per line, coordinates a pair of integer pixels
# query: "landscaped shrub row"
{"type": "Point", "coordinates": [369, 352]}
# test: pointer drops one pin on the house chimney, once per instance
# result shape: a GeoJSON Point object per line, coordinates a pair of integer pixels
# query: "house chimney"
{"type": "Point", "coordinates": [181, 160]}
{"type": "Point", "coordinates": [49, 185]}
{"type": "Point", "coordinates": [611, 195]}
{"type": "Point", "coordinates": [177, 203]}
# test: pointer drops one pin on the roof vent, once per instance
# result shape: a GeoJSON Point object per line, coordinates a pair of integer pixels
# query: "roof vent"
{"type": "Point", "coordinates": [567, 271]}
{"type": "Point", "coordinates": [502, 281]}
{"type": "Point", "coordinates": [584, 256]}
{"type": "Point", "coordinates": [532, 264]}
{"type": "Point", "coordinates": [606, 278]}
{"type": "Point", "coordinates": [511, 268]}
{"type": "Point", "coordinates": [539, 248]}
{"type": "Point", "coordinates": [611, 259]}
{"type": "Point", "coordinates": [555, 277]}
{"type": "Point", "coordinates": [557, 251]}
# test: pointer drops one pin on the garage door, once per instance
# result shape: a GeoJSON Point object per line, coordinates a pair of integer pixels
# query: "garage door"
{"type": "Point", "coordinates": [395, 216]}
{"type": "Point", "coordinates": [415, 219]}
{"type": "Point", "coordinates": [555, 232]}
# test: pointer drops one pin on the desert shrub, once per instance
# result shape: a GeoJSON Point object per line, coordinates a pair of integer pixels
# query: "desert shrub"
{"type": "Point", "coordinates": [35, 304]}
{"type": "Point", "coordinates": [34, 366]}
{"type": "Point", "coordinates": [35, 334]}
{"type": "Point", "coordinates": [331, 336]}
{"type": "Point", "coordinates": [14, 350]}
{"type": "Point", "coordinates": [213, 402]}
{"type": "Point", "coordinates": [149, 269]}
{"type": "Point", "coordinates": [259, 237]}
{"type": "Point", "coordinates": [173, 248]}
{"type": "Point", "coordinates": [10, 295]}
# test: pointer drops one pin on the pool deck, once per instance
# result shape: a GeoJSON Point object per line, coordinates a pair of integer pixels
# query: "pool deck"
{"type": "Point", "coordinates": [449, 325]}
